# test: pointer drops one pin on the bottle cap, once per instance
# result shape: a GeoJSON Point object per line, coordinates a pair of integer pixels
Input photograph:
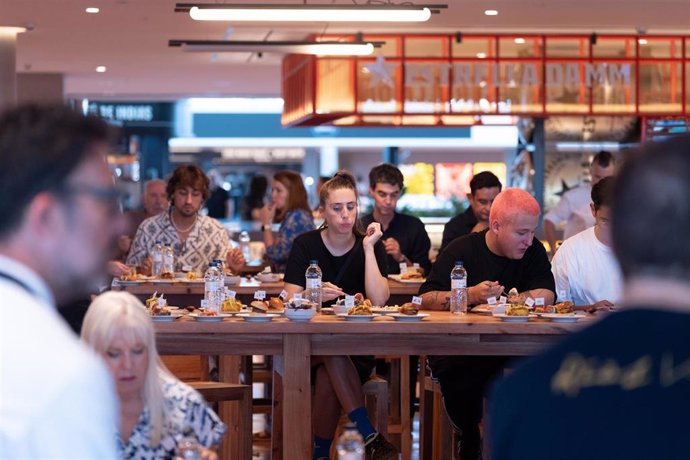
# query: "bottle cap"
{"type": "Point", "coordinates": [313, 262]}
{"type": "Point", "coordinates": [458, 262]}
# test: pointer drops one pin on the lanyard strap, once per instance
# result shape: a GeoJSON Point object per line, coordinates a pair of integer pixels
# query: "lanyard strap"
{"type": "Point", "coordinates": [18, 282]}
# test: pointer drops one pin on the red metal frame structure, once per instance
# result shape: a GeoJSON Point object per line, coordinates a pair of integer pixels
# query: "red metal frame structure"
{"type": "Point", "coordinates": [450, 80]}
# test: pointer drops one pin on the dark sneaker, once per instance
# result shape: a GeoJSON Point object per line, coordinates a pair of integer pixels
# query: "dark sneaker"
{"type": "Point", "coordinates": [378, 448]}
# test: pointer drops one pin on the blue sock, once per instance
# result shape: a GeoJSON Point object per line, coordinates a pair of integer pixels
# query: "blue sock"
{"type": "Point", "coordinates": [360, 418]}
{"type": "Point", "coordinates": [322, 448]}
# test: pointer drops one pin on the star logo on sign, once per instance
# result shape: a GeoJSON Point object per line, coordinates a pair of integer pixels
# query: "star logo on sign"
{"type": "Point", "coordinates": [381, 72]}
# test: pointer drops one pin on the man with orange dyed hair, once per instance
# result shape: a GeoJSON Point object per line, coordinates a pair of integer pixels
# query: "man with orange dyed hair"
{"type": "Point", "coordinates": [504, 256]}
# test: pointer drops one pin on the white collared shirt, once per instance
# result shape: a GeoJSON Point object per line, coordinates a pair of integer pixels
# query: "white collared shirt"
{"type": "Point", "coordinates": [57, 399]}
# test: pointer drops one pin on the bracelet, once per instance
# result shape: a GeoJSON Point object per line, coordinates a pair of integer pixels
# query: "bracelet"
{"type": "Point", "coordinates": [265, 227]}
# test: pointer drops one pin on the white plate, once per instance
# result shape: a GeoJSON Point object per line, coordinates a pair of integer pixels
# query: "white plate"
{"type": "Point", "coordinates": [562, 318]}
{"type": "Point", "coordinates": [164, 282]}
{"type": "Point", "coordinates": [360, 318]}
{"type": "Point", "coordinates": [194, 281]}
{"type": "Point", "coordinates": [164, 318]}
{"type": "Point", "coordinates": [410, 318]}
{"type": "Point", "coordinates": [232, 280]}
{"type": "Point", "coordinates": [257, 317]}
{"type": "Point", "coordinates": [406, 281]}
{"type": "Point", "coordinates": [269, 277]}
{"type": "Point", "coordinates": [483, 309]}
{"type": "Point", "coordinates": [209, 319]}
{"type": "Point", "coordinates": [386, 311]}
{"type": "Point", "coordinates": [130, 283]}
{"type": "Point", "coordinates": [514, 319]}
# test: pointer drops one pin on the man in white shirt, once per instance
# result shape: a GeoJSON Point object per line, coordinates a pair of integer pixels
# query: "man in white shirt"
{"type": "Point", "coordinates": [573, 207]}
{"type": "Point", "coordinates": [585, 268]}
{"type": "Point", "coordinates": [59, 228]}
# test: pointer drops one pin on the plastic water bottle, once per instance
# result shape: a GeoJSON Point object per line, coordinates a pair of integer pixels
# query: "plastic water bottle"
{"type": "Point", "coordinates": [157, 258]}
{"type": "Point", "coordinates": [188, 448]}
{"type": "Point", "coordinates": [350, 444]}
{"type": "Point", "coordinates": [168, 259]}
{"type": "Point", "coordinates": [458, 289]}
{"type": "Point", "coordinates": [312, 291]}
{"type": "Point", "coordinates": [213, 288]}
{"type": "Point", "coordinates": [244, 245]}
{"type": "Point", "coordinates": [221, 279]}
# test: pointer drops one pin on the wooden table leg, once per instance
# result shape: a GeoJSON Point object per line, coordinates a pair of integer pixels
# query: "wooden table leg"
{"type": "Point", "coordinates": [297, 436]}
{"type": "Point", "coordinates": [234, 445]}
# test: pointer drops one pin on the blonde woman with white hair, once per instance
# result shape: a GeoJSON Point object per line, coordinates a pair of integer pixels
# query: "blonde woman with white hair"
{"type": "Point", "coordinates": [155, 407]}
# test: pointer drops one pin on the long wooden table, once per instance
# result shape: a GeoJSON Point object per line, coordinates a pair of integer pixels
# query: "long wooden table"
{"type": "Point", "coordinates": [440, 334]}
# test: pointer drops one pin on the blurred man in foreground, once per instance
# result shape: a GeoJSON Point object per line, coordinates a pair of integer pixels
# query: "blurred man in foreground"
{"type": "Point", "coordinates": [502, 257]}
{"type": "Point", "coordinates": [484, 187]}
{"type": "Point", "coordinates": [619, 388]}
{"type": "Point", "coordinates": [60, 224]}
{"type": "Point", "coordinates": [573, 207]}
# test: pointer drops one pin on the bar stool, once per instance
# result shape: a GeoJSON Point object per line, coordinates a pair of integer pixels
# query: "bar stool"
{"type": "Point", "coordinates": [223, 393]}
{"type": "Point", "coordinates": [436, 436]}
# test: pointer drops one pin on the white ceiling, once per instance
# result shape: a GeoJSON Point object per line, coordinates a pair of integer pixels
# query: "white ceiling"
{"type": "Point", "coordinates": [130, 37]}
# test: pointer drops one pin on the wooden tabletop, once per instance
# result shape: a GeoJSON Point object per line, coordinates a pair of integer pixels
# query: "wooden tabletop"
{"type": "Point", "coordinates": [440, 333]}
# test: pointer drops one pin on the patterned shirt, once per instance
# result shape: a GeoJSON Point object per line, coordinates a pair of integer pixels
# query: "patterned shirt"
{"type": "Point", "coordinates": [184, 408]}
{"type": "Point", "coordinates": [296, 222]}
{"type": "Point", "coordinates": [207, 240]}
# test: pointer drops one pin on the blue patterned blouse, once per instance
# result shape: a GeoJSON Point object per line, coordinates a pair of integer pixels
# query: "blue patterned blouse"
{"type": "Point", "coordinates": [185, 407]}
{"type": "Point", "coordinates": [296, 222]}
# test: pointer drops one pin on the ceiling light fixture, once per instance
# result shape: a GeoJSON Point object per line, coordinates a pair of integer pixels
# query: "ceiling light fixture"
{"type": "Point", "coordinates": [519, 41]}
{"type": "Point", "coordinates": [369, 12]}
{"type": "Point", "coordinates": [318, 48]}
{"type": "Point", "coordinates": [93, 10]}
{"type": "Point", "coordinates": [491, 12]}
{"type": "Point", "coordinates": [101, 69]}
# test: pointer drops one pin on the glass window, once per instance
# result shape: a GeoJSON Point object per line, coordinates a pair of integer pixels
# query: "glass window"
{"type": "Point", "coordinates": [427, 47]}
{"type": "Point", "coordinates": [661, 87]}
{"type": "Point", "coordinates": [519, 46]}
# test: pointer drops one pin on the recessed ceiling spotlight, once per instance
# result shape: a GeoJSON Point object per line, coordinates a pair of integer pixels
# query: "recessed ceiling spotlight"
{"type": "Point", "coordinates": [93, 10]}
{"type": "Point", "coordinates": [520, 41]}
{"type": "Point", "coordinates": [642, 41]}
{"type": "Point", "coordinates": [101, 69]}
{"type": "Point", "coordinates": [481, 55]}
{"type": "Point", "coordinates": [491, 12]}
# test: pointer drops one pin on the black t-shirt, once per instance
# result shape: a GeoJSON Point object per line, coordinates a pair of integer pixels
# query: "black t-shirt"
{"type": "Point", "coordinates": [533, 271]}
{"type": "Point", "coordinates": [458, 226]}
{"type": "Point", "coordinates": [414, 242]}
{"type": "Point", "coordinates": [309, 246]}
{"type": "Point", "coordinates": [619, 389]}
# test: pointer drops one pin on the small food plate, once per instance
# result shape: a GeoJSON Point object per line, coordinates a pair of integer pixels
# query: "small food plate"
{"type": "Point", "coordinates": [327, 311]}
{"type": "Point", "coordinates": [387, 310]}
{"type": "Point", "coordinates": [562, 318]}
{"type": "Point", "coordinates": [192, 281]}
{"type": "Point", "coordinates": [164, 318]}
{"type": "Point", "coordinates": [483, 309]}
{"type": "Point", "coordinates": [244, 309]}
{"type": "Point", "coordinates": [232, 280]}
{"type": "Point", "coordinates": [210, 319]}
{"type": "Point", "coordinates": [514, 319]}
{"type": "Point", "coordinates": [356, 318]}
{"type": "Point", "coordinates": [165, 282]}
{"type": "Point", "coordinates": [399, 279]}
{"type": "Point", "coordinates": [257, 317]}
{"type": "Point", "coordinates": [119, 282]}
{"type": "Point", "coordinates": [269, 277]}
{"type": "Point", "coordinates": [409, 318]}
